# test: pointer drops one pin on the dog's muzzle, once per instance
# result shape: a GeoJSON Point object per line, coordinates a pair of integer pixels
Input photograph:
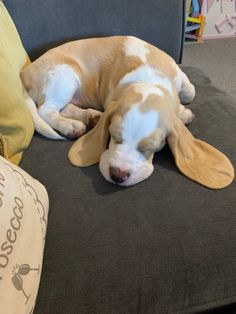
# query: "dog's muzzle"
{"type": "Point", "coordinates": [117, 175]}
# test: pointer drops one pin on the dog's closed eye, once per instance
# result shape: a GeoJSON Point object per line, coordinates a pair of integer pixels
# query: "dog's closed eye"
{"type": "Point", "coordinates": [147, 144]}
{"type": "Point", "coordinates": [115, 130]}
{"type": "Point", "coordinates": [117, 140]}
{"type": "Point", "coordinates": [152, 143]}
{"type": "Point", "coordinates": [147, 147]}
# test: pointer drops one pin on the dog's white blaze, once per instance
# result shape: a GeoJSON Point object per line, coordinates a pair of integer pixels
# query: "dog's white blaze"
{"type": "Point", "coordinates": [137, 125]}
{"type": "Point", "coordinates": [147, 74]}
{"type": "Point", "coordinates": [136, 47]}
{"type": "Point", "coordinates": [147, 90]}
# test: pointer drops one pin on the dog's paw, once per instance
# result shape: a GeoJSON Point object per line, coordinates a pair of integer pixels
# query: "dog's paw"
{"type": "Point", "coordinates": [93, 117]}
{"type": "Point", "coordinates": [73, 129]}
{"type": "Point", "coordinates": [185, 115]}
{"type": "Point", "coordinates": [187, 94]}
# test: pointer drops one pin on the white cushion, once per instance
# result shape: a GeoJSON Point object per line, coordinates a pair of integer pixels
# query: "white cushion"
{"type": "Point", "coordinates": [23, 223]}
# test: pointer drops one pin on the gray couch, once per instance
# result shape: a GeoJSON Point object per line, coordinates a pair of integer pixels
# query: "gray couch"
{"type": "Point", "coordinates": [167, 245]}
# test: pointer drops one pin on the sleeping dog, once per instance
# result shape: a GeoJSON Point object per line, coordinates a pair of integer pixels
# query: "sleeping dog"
{"type": "Point", "coordinates": [140, 89]}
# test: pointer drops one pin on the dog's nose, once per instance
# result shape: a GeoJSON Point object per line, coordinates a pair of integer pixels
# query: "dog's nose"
{"type": "Point", "coordinates": [117, 175]}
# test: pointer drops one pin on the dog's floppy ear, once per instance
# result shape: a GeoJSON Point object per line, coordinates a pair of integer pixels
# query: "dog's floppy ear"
{"type": "Point", "coordinates": [198, 160]}
{"type": "Point", "coordinates": [88, 148]}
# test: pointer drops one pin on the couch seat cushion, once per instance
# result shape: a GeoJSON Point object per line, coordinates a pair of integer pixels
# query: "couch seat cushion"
{"type": "Point", "coordinates": [166, 245]}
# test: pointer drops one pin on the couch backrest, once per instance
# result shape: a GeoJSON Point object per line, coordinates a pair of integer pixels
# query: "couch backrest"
{"type": "Point", "coordinates": [46, 24]}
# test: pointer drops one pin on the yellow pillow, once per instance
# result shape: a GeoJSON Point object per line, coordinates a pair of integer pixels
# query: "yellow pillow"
{"type": "Point", "coordinates": [16, 126]}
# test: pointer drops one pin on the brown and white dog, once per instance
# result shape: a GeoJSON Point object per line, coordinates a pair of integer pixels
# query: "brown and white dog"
{"type": "Point", "coordinates": [139, 88]}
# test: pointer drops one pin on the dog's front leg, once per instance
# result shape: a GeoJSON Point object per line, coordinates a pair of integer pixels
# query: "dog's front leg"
{"type": "Point", "coordinates": [89, 116]}
{"type": "Point", "coordinates": [68, 127]}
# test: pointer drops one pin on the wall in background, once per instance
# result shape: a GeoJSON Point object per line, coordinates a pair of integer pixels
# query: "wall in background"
{"type": "Point", "coordinates": [220, 18]}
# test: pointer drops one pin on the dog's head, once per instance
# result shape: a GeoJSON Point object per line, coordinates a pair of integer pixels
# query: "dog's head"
{"type": "Point", "coordinates": [134, 127]}
{"type": "Point", "coordinates": [130, 131]}
{"type": "Point", "coordinates": [137, 129]}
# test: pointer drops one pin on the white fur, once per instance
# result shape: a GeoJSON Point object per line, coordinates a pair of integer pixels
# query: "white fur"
{"type": "Point", "coordinates": [147, 74]}
{"type": "Point", "coordinates": [187, 92]}
{"type": "Point", "coordinates": [137, 125]}
{"type": "Point", "coordinates": [61, 84]}
{"type": "Point", "coordinates": [184, 86]}
{"type": "Point", "coordinates": [178, 77]}
{"type": "Point", "coordinates": [40, 125]}
{"type": "Point", "coordinates": [185, 115]}
{"type": "Point", "coordinates": [136, 47]}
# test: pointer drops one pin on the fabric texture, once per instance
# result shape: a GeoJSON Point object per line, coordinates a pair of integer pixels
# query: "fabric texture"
{"type": "Point", "coordinates": [16, 127]}
{"type": "Point", "coordinates": [23, 222]}
{"type": "Point", "coordinates": [159, 23]}
{"type": "Point", "coordinates": [166, 245]}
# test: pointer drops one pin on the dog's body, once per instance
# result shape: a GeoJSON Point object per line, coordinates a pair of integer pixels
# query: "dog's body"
{"type": "Point", "coordinates": [74, 83]}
